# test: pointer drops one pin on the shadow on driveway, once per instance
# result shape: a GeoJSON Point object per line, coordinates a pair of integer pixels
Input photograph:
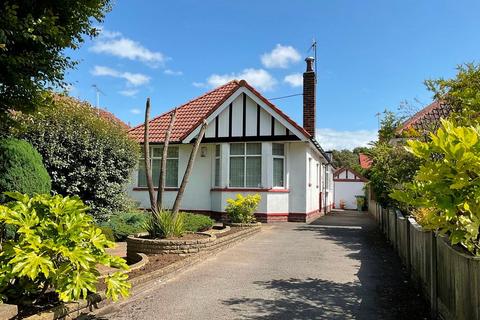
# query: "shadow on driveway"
{"type": "Point", "coordinates": [382, 291]}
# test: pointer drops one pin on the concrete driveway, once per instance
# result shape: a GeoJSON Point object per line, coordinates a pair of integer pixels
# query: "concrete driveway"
{"type": "Point", "coordinates": [338, 267]}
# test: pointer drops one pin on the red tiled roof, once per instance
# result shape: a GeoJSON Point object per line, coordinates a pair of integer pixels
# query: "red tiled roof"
{"type": "Point", "coordinates": [191, 114]}
{"type": "Point", "coordinates": [365, 161]}
{"type": "Point", "coordinates": [427, 119]}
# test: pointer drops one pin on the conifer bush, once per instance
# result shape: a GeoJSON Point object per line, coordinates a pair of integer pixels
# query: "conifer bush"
{"type": "Point", "coordinates": [21, 169]}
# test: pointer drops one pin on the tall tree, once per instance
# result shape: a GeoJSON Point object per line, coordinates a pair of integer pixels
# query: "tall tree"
{"type": "Point", "coordinates": [33, 38]}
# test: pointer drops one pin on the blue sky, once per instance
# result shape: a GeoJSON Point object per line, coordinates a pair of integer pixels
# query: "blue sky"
{"type": "Point", "coordinates": [372, 54]}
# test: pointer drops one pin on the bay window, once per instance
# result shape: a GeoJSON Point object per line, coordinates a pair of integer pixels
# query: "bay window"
{"type": "Point", "coordinates": [245, 165]}
{"type": "Point", "coordinates": [278, 153]}
{"type": "Point", "coordinates": [171, 176]}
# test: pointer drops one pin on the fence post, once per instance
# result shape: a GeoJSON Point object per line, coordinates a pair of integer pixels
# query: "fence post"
{"type": "Point", "coordinates": [434, 279]}
{"type": "Point", "coordinates": [395, 245]}
{"type": "Point", "coordinates": [409, 245]}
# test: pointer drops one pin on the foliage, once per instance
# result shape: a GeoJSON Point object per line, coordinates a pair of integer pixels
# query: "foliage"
{"type": "Point", "coordinates": [462, 93]}
{"type": "Point", "coordinates": [21, 169]}
{"type": "Point", "coordinates": [165, 224]}
{"type": "Point", "coordinates": [57, 246]}
{"type": "Point", "coordinates": [33, 39]}
{"type": "Point", "coordinates": [346, 159]}
{"type": "Point", "coordinates": [242, 209]}
{"type": "Point", "coordinates": [388, 126]}
{"type": "Point", "coordinates": [449, 182]}
{"type": "Point", "coordinates": [391, 167]}
{"type": "Point", "coordinates": [86, 154]}
{"type": "Point", "coordinates": [426, 217]}
{"type": "Point", "coordinates": [197, 222]}
{"type": "Point", "coordinates": [108, 233]}
{"type": "Point", "coordinates": [126, 223]}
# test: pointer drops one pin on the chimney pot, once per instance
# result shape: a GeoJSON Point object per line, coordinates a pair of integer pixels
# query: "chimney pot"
{"type": "Point", "coordinates": [309, 61]}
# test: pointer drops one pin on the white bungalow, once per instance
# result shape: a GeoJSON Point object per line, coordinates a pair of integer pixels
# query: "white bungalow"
{"type": "Point", "coordinates": [250, 146]}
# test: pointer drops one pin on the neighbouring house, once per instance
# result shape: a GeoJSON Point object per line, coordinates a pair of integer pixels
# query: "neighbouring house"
{"type": "Point", "coordinates": [348, 184]}
{"type": "Point", "coordinates": [426, 120]}
{"type": "Point", "coordinates": [250, 146]}
{"type": "Point", "coordinates": [364, 161]}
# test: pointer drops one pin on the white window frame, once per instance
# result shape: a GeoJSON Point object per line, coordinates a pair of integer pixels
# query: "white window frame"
{"type": "Point", "coordinates": [219, 158]}
{"type": "Point", "coordinates": [309, 171]}
{"type": "Point", "coordinates": [284, 167]}
{"type": "Point", "coordinates": [152, 157]}
{"type": "Point", "coordinates": [245, 156]}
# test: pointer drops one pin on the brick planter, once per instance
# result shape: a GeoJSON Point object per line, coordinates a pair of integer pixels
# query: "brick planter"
{"type": "Point", "coordinates": [137, 244]}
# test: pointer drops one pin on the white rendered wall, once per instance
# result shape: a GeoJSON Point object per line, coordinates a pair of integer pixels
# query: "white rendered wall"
{"type": "Point", "coordinates": [347, 191]}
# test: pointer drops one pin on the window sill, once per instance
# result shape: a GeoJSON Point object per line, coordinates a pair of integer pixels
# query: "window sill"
{"type": "Point", "coordinates": [156, 188]}
{"type": "Point", "coordinates": [250, 190]}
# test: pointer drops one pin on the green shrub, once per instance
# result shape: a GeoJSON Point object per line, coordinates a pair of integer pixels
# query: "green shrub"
{"type": "Point", "coordinates": [86, 153]}
{"type": "Point", "coordinates": [197, 222]}
{"type": "Point", "coordinates": [108, 233]}
{"type": "Point", "coordinates": [126, 223]}
{"type": "Point", "coordinates": [21, 169]}
{"type": "Point", "coordinates": [164, 224]}
{"type": "Point", "coordinates": [242, 209]}
{"type": "Point", "coordinates": [57, 247]}
{"type": "Point", "coordinates": [447, 183]}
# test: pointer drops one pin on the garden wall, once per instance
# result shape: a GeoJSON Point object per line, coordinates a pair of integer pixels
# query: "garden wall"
{"type": "Point", "coordinates": [448, 277]}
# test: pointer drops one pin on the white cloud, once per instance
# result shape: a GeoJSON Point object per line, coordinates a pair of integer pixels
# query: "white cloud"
{"type": "Point", "coordinates": [171, 72]}
{"type": "Point", "coordinates": [258, 78]}
{"type": "Point", "coordinates": [134, 79]}
{"type": "Point", "coordinates": [199, 84]}
{"type": "Point", "coordinates": [135, 111]}
{"type": "Point", "coordinates": [295, 79]}
{"type": "Point", "coordinates": [113, 43]}
{"type": "Point", "coordinates": [280, 57]}
{"type": "Point", "coordinates": [337, 139]}
{"type": "Point", "coordinates": [128, 92]}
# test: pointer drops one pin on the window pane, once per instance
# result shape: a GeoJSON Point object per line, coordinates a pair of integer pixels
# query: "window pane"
{"type": "Point", "coordinates": [217, 172]}
{"type": "Point", "coordinates": [142, 179]}
{"type": "Point", "coordinates": [156, 152]}
{"type": "Point", "coordinates": [171, 179]}
{"type": "Point", "coordinates": [236, 171]}
{"type": "Point", "coordinates": [172, 152]}
{"type": "Point", "coordinates": [278, 180]}
{"type": "Point", "coordinates": [156, 163]}
{"type": "Point", "coordinates": [254, 172]}
{"type": "Point", "coordinates": [278, 149]}
{"type": "Point", "coordinates": [217, 150]}
{"type": "Point", "coordinates": [237, 149]}
{"type": "Point", "coordinates": [254, 148]}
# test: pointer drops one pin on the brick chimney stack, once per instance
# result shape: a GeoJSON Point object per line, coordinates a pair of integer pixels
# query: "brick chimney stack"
{"type": "Point", "coordinates": [309, 97]}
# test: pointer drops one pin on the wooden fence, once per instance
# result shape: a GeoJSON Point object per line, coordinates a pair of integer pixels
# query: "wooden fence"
{"type": "Point", "coordinates": [448, 277]}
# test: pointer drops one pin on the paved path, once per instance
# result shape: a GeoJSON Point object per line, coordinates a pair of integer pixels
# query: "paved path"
{"type": "Point", "coordinates": [338, 267]}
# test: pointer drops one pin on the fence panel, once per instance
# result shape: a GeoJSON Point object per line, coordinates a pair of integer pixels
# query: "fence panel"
{"type": "Point", "coordinates": [420, 256]}
{"type": "Point", "coordinates": [402, 241]}
{"type": "Point", "coordinates": [458, 282]}
{"type": "Point", "coordinates": [392, 227]}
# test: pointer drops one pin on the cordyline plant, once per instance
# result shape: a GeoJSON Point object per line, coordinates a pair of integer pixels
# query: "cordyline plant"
{"type": "Point", "coordinates": [447, 185]}
{"type": "Point", "coordinates": [56, 247]}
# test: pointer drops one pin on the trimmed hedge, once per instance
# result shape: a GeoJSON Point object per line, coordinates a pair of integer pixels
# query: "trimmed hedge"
{"type": "Point", "coordinates": [21, 169]}
{"type": "Point", "coordinates": [197, 222]}
{"type": "Point", "coordinates": [123, 224]}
